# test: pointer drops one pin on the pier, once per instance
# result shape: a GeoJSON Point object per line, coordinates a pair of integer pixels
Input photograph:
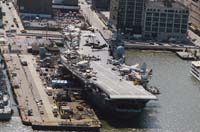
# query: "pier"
{"type": "Point", "coordinates": [30, 94]}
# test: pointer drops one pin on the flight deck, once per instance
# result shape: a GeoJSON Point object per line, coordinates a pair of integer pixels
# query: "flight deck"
{"type": "Point", "coordinates": [106, 77]}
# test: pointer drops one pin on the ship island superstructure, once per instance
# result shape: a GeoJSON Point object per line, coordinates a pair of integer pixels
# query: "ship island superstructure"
{"type": "Point", "coordinates": [105, 85]}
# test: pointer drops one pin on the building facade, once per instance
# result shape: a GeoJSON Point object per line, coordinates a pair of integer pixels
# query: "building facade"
{"type": "Point", "coordinates": [101, 4]}
{"type": "Point", "coordinates": [65, 4]}
{"type": "Point", "coordinates": [35, 7]}
{"type": "Point", "coordinates": [127, 15]}
{"type": "Point", "coordinates": [165, 21]}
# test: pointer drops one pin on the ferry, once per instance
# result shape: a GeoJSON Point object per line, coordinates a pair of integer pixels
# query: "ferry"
{"type": "Point", "coordinates": [195, 69]}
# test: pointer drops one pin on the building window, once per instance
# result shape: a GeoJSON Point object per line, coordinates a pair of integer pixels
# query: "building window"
{"type": "Point", "coordinates": [163, 20]}
{"type": "Point", "coordinates": [148, 28]}
{"type": "Point", "coordinates": [155, 19]}
{"type": "Point", "coordinates": [155, 29]}
{"type": "Point", "coordinates": [155, 14]}
{"type": "Point", "coordinates": [169, 30]}
{"type": "Point", "coordinates": [177, 20]}
{"type": "Point", "coordinates": [176, 25]}
{"type": "Point", "coordinates": [162, 25]}
{"type": "Point", "coordinates": [176, 30]}
{"type": "Point", "coordinates": [163, 15]}
{"type": "Point", "coordinates": [183, 31]}
{"type": "Point", "coordinates": [162, 29]}
{"type": "Point", "coordinates": [183, 26]}
{"type": "Point", "coordinates": [169, 25]}
{"type": "Point", "coordinates": [148, 23]}
{"type": "Point", "coordinates": [148, 19]}
{"type": "Point", "coordinates": [149, 13]}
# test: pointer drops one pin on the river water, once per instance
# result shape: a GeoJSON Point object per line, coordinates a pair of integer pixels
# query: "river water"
{"type": "Point", "coordinates": [178, 105]}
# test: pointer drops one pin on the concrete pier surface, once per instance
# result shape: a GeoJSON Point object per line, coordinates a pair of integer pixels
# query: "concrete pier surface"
{"type": "Point", "coordinates": [29, 90]}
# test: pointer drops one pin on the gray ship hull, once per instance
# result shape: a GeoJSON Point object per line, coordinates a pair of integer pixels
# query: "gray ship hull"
{"type": "Point", "coordinates": [116, 108]}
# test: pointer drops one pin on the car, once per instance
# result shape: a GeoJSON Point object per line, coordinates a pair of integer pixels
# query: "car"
{"type": "Point", "coordinates": [3, 13]}
{"type": "Point", "coordinates": [194, 39]}
{"type": "Point", "coordinates": [10, 35]}
{"type": "Point", "coordinates": [23, 31]}
{"type": "Point", "coordinates": [42, 112]}
{"type": "Point", "coordinates": [24, 63]}
{"type": "Point", "coordinates": [38, 37]}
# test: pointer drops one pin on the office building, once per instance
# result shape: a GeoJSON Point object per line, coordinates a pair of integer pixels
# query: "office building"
{"type": "Point", "coordinates": [127, 15]}
{"type": "Point", "coordinates": [101, 4]}
{"type": "Point", "coordinates": [35, 7]}
{"type": "Point", "coordinates": [166, 21]}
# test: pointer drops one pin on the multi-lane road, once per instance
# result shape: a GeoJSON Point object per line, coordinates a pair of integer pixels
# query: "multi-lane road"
{"type": "Point", "coordinates": [94, 20]}
{"type": "Point", "coordinates": [9, 17]}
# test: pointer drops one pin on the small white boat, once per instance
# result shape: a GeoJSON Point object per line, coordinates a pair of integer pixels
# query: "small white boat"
{"type": "Point", "coordinates": [195, 69]}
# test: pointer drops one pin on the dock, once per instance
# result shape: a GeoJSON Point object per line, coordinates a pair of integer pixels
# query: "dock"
{"type": "Point", "coordinates": [168, 47]}
{"type": "Point", "coordinates": [29, 90]}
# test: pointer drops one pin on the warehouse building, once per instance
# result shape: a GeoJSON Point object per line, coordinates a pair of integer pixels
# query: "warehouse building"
{"type": "Point", "coordinates": [166, 21]}
{"type": "Point", "coordinates": [101, 4]}
{"type": "Point", "coordinates": [41, 8]}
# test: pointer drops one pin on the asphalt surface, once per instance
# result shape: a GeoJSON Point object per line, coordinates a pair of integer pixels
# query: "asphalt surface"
{"type": "Point", "coordinates": [26, 97]}
{"type": "Point", "coordinates": [94, 20]}
{"type": "Point", "coordinates": [10, 14]}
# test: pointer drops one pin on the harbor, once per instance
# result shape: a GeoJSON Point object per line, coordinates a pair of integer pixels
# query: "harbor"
{"type": "Point", "coordinates": [172, 112]}
{"type": "Point", "coordinates": [31, 108]}
{"type": "Point", "coordinates": [67, 75]}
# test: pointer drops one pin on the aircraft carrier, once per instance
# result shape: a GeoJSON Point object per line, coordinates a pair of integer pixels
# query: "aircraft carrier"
{"type": "Point", "coordinates": [104, 85]}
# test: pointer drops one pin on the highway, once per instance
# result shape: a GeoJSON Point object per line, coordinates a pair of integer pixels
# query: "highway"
{"type": "Point", "coordinates": [10, 14]}
{"type": "Point", "coordinates": [94, 20]}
